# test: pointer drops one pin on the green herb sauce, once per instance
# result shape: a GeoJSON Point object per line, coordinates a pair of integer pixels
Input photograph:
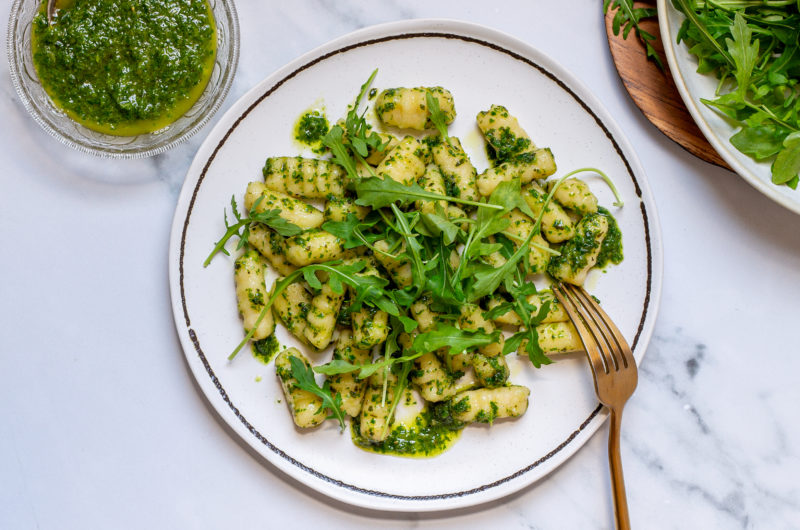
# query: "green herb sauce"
{"type": "Point", "coordinates": [575, 252]}
{"type": "Point", "coordinates": [503, 146]}
{"type": "Point", "coordinates": [125, 67]}
{"type": "Point", "coordinates": [425, 439]}
{"type": "Point", "coordinates": [265, 349]}
{"type": "Point", "coordinates": [310, 129]}
{"type": "Point", "coordinates": [611, 249]}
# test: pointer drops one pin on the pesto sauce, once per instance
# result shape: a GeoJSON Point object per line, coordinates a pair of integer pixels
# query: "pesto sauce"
{"type": "Point", "coordinates": [503, 146]}
{"type": "Point", "coordinates": [265, 349]}
{"type": "Point", "coordinates": [426, 439]}
{"type": "Point", "coordinates": [611, 249]}
{"type": "Point", "coordinates": [310, 129]}
{"type": "Point", "coordinates": [125, 67]}
{"type": "Point", "coordinates": [575, 252]}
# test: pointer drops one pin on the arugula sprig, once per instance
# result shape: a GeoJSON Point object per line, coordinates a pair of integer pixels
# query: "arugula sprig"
{"type": "Point", "coordinates": [352, 143]}
{"type": "Point", "coordinates": [305, 380]}
{"type": "Point", "coordinates": [241, 228]}
{"type": "Point", "coordinates": [627, 18]}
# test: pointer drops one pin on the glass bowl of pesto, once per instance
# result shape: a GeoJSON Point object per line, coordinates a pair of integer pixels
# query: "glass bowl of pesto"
{"type": "Point", "coordinates": [123, 78]}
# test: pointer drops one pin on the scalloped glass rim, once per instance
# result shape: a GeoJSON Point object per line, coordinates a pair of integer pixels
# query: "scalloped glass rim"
{"type": "Point", "coordinates": [68, 132]}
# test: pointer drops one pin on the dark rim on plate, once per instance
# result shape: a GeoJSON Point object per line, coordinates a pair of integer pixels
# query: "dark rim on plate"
{"type": "Point", "coordinates": [224, 394]}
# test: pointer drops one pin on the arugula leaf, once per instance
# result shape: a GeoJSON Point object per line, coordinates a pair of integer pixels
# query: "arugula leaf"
{"type": "Point", "coordinates": [743, 52]}
{"type": "Point", "coordinates": [787, 164]}
{"type": "Point", "coordinates": [334, 141]}
{"type": "Point", "coordinates": [457, 340]}
{"type": "Point", "coordinates": [487, 281]}
{"type": "Point", "coordinates": [760, 142]}
{"type": "Point", "coordinates": [498, 310]}
{"type": "Point", "coordinates": [436, 115]}
{"type": "Point", "coordinates": [305, 380]}
{"type": "Point", "coordinates": [352, 230]}
{"type": "Point", "coordinates": [438, 225]}
{"type": "Point", "coordinates": [337, 366]}
{"type": "Point", "coordinates": [241, 228]}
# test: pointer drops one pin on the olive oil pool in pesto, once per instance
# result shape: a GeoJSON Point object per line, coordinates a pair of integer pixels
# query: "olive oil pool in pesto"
{"type": "Point", "coordinates": [125, 67]}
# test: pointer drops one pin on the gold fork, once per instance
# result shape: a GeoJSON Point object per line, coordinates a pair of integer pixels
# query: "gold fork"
{"type": "Point", "coordinates": [615, 375]}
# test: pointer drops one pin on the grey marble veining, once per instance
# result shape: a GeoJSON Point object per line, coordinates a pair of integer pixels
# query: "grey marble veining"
{"type": "Point", "coordinates": [102, 425]}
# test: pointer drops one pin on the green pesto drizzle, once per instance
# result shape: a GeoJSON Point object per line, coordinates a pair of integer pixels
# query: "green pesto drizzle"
{"type": "Point", "coordinates": [425, 439]}
{"type": "Point", "coordinates": [611, 249]}
{"type": "Point", "coordinates": [265, 349]}
{"type": "Point", "coordinates": [575, 252]}
{"type": "Point", "coordinates": [125, 67]}
{"type": "Point", "coordinates": [310, 129]}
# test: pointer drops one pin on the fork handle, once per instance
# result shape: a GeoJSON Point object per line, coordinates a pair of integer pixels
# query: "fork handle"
{"type": "Point", "coordinates": [617, 480]}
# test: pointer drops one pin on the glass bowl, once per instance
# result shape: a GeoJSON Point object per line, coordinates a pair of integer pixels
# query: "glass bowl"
{"type": "Point", "coordinates": [57, 123]}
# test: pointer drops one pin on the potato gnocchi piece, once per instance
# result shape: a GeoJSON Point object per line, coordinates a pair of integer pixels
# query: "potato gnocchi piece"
{"type": "Point", "coordinates": [575, 194]}
{"type": "Point", "coordinates": [491, 371]}
{"type": "Point", "coordinates": [270, 245]}
{"type": "Point", "coordinates": [291, 306]}
{"type": "Point", "coordinates": [251, 294]}
{"type": "Point", "coordinates": [407, 108]}
{"type": "Point", "coordinates": [337, 209]}
{"type": "Point", "coordinates": [321, 316]}
{"type": "Point", "coordinates": [537, 164]}
{"type": "Point", "coordinates": [503, 133]}
{"type": "Point", "coordinates": [421, 312]}
{"type": "Point", "coordinates": [485, 405]}
{"type": "Point", "coordinates": [293, 210]}
{"type": "Point", "coordinates": [306, 408]}
{"type": "Point", "coordinates": [370, 326]}
{"type": "Point", "coordinates": [557, 226]}
{"type": "Point", "coordinates": [307, 178]}
{"type": "Point", "coordinates": [431, 379]}
{"type": "Point", "coordinates": [555, 337]}
{"type": "Point", "coordinates": [579, 254]}
{"type": "Point", "coordinates": [458, 362]}
{"type": "Point", "coordinates": [471, 319]}
{"type": "Point", "coordinates": [398, 269]}
{"type": "Point", "coordinates": [488, 362]}
{"type": "Point", "coordinates": [453, 213]}
{"type": "Point", "coordinates": [405, 163]}
{"type": "Point", "coordinates": [520, 225]}
{"type": "Point", "coordinates": [313, 246]}
{"type": "Point", "coordinates": [456, 168]}
{"type": "Point", "coordinates": [558, 337]}
{"type": "Point", "coordinates": [433, 181]}
{"type": "Point", "coordinates": [348, 385]}
{"type": "Point", "coordinates": [375, 421]}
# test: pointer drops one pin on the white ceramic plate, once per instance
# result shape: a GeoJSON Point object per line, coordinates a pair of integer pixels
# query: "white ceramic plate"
{"type": "Point", "coordinates": [717, 130]}
{"type": "Point", "coordinates": [480, 66]}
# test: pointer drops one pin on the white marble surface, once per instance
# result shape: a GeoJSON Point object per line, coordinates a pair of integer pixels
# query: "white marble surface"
{"type": "Point", "coordinates": [101, 425]}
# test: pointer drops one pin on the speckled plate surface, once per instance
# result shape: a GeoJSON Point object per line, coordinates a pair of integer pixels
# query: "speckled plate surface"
{"type": "Point", "coordinates": [480, 66]}
{"type": "Point", "coordinates": [693, 87]}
